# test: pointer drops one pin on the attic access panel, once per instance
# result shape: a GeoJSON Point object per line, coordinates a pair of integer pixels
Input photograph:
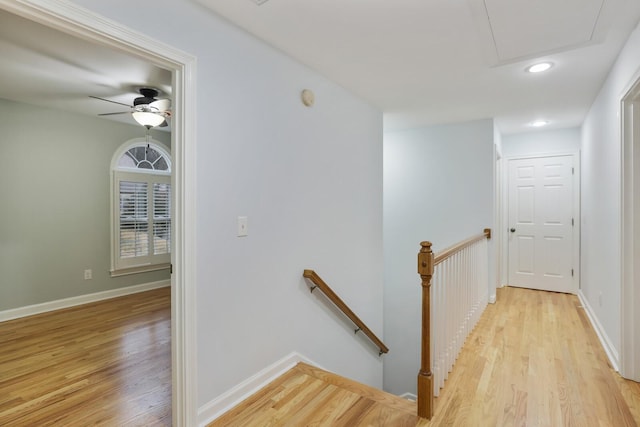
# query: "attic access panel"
{"type": "Point", "coordinates": [519, 29]}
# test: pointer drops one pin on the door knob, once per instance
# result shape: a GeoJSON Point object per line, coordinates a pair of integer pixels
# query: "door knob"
{"type": "Point", "coordinates": [513, 230]}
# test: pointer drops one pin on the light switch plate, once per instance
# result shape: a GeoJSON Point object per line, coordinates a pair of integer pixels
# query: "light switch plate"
{"type": "Point", "coordinates": [243, 226]}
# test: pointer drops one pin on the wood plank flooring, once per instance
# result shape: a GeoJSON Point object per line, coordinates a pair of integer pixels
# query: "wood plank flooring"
{"type": "Point", "coordinates": [307, 396]}
{"type": "Point", "coordinates": [106, 363]}
{"type": "Point", "coordinates": [533, 360]}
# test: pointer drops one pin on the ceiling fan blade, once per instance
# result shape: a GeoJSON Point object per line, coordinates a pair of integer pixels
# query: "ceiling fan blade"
{"type": "Point", "coordinates": [161, 104]}
{"type": "Point", "coordinates": [112, 114]}
{"type": "Point", "coordinates": [108, 100]}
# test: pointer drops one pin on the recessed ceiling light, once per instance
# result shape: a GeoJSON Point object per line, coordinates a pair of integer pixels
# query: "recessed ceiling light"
{"type": "Point", "coordinates": [539, 123]}
{"type": "Point", "coordinates": [538, 68]}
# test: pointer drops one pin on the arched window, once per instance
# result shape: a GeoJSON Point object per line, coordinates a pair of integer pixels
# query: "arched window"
{"type": "Point", "coordinates": [141, 208]}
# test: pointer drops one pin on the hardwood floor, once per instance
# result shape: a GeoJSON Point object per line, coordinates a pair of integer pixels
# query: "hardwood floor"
{"type": "Point", "coordinates": [307, 396]}
{"type": "Point", "coordinates": [106, 363]}
{"type": "Point", "coordinates": [533, 360]}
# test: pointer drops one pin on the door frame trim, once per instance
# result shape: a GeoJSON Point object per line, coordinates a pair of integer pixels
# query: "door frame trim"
{"type": "Point", "coordinates": [498, 233]}
{"type": "Point", "coordinates": [576, 210]}
{"type": "Point", "coordinates": [630, 231]}
{"type": "Point", "coordinates": [85, 24]}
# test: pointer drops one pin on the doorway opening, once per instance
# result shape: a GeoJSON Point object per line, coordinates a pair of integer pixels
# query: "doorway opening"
{"type": "Point", "coordinates": [630, 234]}
{"type": "Point", "coordinates": [84, 25]}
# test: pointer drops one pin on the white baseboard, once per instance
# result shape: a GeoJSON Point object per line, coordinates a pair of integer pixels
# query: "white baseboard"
{"type": "Point", "coordinates": [492, 299]}
{"type": "Point", "coordinates": [227, 400]}
{"type": "Point", "coordinates": [609, 349]}
{"type": "Point", "coordinates": [30, 310]}
{"type": "Point", "coordinates": [409, 396]}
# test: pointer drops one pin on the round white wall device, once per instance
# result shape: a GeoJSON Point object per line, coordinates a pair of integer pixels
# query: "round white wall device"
{"type": "Point", "coordinates": [308, 98]}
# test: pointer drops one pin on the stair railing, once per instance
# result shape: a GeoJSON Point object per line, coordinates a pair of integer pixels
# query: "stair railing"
{"type": "Point", "coordinates": [451, 307]}
{"type": "Point", "coordinates": [342, 306]}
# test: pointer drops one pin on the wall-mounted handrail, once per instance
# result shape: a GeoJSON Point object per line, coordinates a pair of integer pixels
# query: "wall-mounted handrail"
{"type": "Point", "coordinates": [426, 267]}
{"type": "Point", "coordinates": [337, 301]}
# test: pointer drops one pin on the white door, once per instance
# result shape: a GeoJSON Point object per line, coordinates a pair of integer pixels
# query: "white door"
{"type": "Point", "coordinates": [541, 218]}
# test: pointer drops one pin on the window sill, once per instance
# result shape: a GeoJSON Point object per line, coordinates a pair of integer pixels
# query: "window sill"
{"type": "Point", "coordinates": [140, 269]}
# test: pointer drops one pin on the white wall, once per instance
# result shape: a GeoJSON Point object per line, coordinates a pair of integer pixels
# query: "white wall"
{"type": "Point", "coordinates": [497, 139]}
{"type": "Point", "coordinates": [310, 182]}
{"type": "Point", "coordinates": [55, 204]}
{"type": "Point", "coordinates": [541, 142]}
{"type": "Point", "coordinates": [601, 189]}
{"type": "Point", "coordinates": [497, 233]}
{"type": "Point", "coordinates": [438, 186]}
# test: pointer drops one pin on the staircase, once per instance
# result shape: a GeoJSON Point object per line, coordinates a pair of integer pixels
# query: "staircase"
{"type": "Point", "coordinates": [308, 396]}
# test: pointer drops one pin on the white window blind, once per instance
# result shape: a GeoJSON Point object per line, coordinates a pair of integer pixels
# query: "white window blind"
{"type": "Point", "coordinates": [161, 218]}
{"type": "Point", "coordinates": [134, 219]}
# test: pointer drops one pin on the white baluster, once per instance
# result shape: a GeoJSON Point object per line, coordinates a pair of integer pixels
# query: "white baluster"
{"type": "Point", "coordinates": [459, 293]}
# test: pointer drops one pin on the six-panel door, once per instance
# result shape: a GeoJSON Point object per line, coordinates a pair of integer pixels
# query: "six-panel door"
{"type": "Point", "coordinates": [541, 223]}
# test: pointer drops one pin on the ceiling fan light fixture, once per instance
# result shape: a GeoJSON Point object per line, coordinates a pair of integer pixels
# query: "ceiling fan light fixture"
{"type": "Point", "coordinates": [148, 119]}
{"type": "Point", "coordinates": [160, 105]}
{"type": "Point", "coordinates": [539, 67]}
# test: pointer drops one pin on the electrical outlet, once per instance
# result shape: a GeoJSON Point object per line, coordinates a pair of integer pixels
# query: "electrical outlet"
{"type": "Point", "coordinates": [88, 275]}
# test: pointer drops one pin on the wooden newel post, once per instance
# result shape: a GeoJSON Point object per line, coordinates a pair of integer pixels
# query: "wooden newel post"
{"type": "Point", "coordinates": [425, 377]}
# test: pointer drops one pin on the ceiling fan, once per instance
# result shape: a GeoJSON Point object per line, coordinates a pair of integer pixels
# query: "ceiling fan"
{"type": "Point", "coordinates": [146, 109]}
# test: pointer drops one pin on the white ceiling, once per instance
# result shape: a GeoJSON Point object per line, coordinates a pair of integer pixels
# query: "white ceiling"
{"type": "Point", "coordinates": [62, 72]}
{"type": "Point", "coordinates": [421, 62]}
{"type": "Point", "coordinates": [438, 61]}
